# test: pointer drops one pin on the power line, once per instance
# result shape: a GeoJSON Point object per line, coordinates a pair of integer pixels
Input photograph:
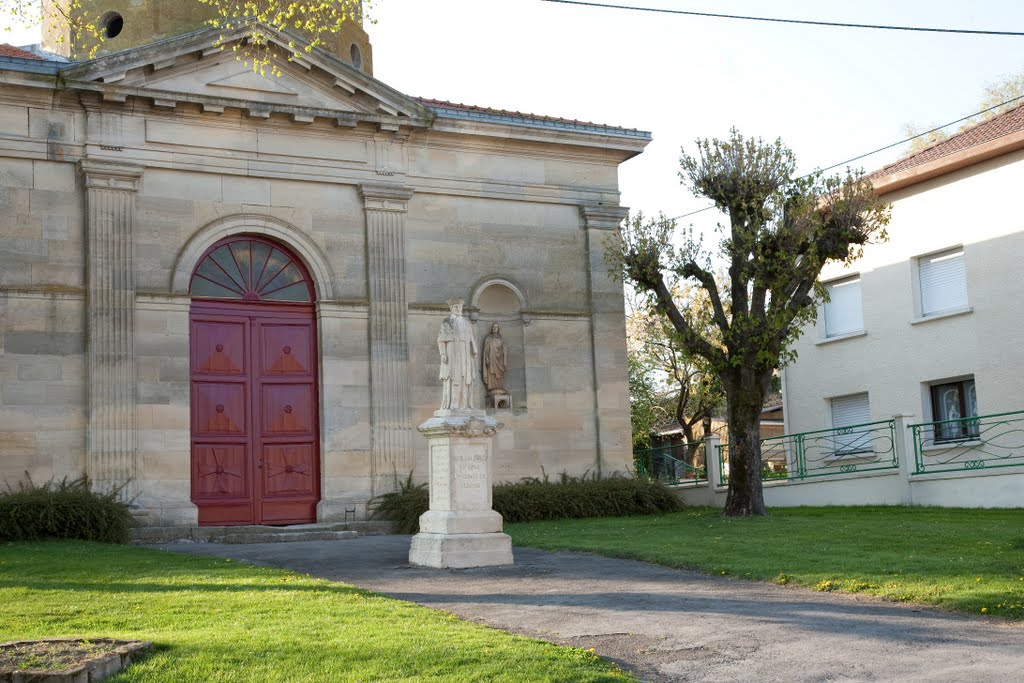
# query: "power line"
{"type": "Point", "coordinates": [876, 151]}
{"type": "Point", "coordinates": [805, 22]}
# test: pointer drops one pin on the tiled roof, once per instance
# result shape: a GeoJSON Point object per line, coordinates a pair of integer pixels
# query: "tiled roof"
{"type": "Point", "coordinates": [1008, 122]}
{"type": "Point", "coordinates": [474, 112]}
{"type": "Point", "coordinates": [8, 50]}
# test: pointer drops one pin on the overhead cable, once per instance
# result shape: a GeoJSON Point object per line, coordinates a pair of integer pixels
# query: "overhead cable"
{"type": "Point", "coordinates": [805, 22]}
{"type": "Point", "coordinates": [881, 149]}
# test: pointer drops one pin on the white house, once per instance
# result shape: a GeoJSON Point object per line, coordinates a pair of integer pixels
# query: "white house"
{"type": "Point", "coordinates": [927, 326]}
{"type": "Point", "coordinates": [907, 390]}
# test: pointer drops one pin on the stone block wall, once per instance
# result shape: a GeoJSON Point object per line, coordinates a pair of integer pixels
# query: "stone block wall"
{"type": "Point", "coordinates": [42, 308]}
{"type": "Point", "coordinates": [470, 213]}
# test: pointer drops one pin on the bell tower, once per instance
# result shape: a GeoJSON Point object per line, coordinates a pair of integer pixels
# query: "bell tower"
{"type": "Point", "coordinates": [131, 23]}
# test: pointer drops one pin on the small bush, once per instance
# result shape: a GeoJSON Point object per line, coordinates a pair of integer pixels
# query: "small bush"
{"type": "Point", "coordinates": [537, 499]}
{"type": "Point", "coordinates": [403, 506]}
{"type": "Point", "coordinates": [63, 509]}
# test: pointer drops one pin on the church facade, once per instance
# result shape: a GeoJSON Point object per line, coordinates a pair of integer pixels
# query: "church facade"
{"type": "Point", "coordinates": [222, 290]}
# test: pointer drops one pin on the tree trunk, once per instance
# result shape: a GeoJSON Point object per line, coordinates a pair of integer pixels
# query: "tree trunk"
{"type": "Point", "coordinates": [745, 497]}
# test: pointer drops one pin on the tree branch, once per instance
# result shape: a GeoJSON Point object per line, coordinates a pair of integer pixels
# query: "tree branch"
{"type": "Point", "coordinates": [690, 338]}
{"type": "Point", "coordinates": [707, 282]}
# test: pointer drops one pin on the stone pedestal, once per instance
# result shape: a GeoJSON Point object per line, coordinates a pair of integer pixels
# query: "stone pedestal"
{"type": "Point", "coordinates": [460, 529]}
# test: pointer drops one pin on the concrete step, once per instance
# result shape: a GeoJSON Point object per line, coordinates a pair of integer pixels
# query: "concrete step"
{"type": "Point", "coordinates": [335, 531]}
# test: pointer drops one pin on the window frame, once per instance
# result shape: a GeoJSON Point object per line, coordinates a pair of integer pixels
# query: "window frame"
{"type": "Point", "coordinates": [967, 430]}
{"type": "Point", "coordinates": [839, 281]}
{"type": "Point", "coordinates": [919, 313]}
{"type": "Point", "coordinates": [852, 448]}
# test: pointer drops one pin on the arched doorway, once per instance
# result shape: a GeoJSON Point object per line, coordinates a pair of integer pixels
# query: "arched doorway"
{"type": "Point", "coordinates": [253, 356]}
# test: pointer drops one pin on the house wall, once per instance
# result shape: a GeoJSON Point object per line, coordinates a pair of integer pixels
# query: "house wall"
{"type": "Point", "coordinates": [899, 354]}
{"type": "Point", "coordinates": [480, 210]}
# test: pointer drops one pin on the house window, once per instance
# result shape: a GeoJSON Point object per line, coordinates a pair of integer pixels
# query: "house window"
{"type": "Point", "coordinates": [943, 282]}
{"type": "Point", "coordinates": [952, 404]}
{"type": "Point", "coordinates": [843, 311]}
{"type": "Point", "coordinates": [849, 412]}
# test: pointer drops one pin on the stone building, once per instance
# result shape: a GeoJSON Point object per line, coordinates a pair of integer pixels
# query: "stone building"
{"type": "Point", "coordinates": [225, 288]}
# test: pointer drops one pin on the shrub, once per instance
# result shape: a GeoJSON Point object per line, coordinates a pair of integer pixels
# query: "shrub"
{"type": "Point", "coordinates": [536, 499]}
{"type": "Point", "coordinates": [403, 506]}
{"type": "Point", "coordinates": [63, 509]}
{"type": "Point", "coordinates": [539, 498]}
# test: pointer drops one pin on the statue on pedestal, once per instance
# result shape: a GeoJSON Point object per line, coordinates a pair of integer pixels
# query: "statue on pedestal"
{"type": "Point", "coordinates": [460, 529]}
{"type": "Point", "coordinates": [458, 359]}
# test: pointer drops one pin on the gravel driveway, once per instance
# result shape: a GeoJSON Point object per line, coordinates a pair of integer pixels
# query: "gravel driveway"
{"type": "Point", "coordinates": [671, 625]}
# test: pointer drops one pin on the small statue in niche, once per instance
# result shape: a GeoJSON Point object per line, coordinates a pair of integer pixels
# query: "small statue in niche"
{"type": "Point", "coordinates": [494, 364]}
{"type": "Point", "coordinates": [458, 359]}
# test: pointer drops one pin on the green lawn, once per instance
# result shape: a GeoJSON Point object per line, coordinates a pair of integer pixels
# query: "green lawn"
{"type": "Point", "coordinates": [969, 560]}
{"type": "Point", "coordinates": [217, 620]}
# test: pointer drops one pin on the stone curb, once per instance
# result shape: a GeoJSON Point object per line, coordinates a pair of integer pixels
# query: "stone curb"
{"type": "Point", "coordinates": [88, 671]}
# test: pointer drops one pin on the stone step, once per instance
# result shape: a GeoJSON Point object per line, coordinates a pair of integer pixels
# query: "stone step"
{"type": "Point", "coordinates": [258, 533]}
{"type": "Point", "coordinates": [286, 538]}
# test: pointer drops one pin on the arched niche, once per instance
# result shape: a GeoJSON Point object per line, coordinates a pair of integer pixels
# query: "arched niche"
{"type": "Point", "coordinates": [501, 301]}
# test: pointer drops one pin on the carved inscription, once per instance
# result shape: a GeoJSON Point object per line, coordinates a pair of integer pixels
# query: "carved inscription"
{"type": "Point", "coordinates": [440, 489]}
{"type": "Point", "coordinates": [470, 477]}
{"type": "Point", "coordinates": [471, 471]}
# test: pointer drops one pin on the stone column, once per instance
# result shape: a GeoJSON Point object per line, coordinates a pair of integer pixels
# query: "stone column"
{"type": "Point", "coordinates": [110, 335]}
{"type": "Point", "coordinates": [460, 529]}
{"type": "Point", "coordinates": [386, 207]}
{"type": "Point", "coordinates": [608, 343]}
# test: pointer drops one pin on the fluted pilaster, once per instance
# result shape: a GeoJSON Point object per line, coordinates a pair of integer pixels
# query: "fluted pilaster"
{"type": "Point", "coordinates": [386, 207]}
{"type": "Point", "coordinates": [110, 347]}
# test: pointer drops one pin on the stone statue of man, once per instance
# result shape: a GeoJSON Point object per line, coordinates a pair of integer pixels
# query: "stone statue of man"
{"type": "Point", "coordinates": [458, 359]}
{"type": "Point", "coordinates": [494, 362]}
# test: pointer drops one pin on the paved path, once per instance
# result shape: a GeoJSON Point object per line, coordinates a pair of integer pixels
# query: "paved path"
{"type": "Point", "coordinates": [671, 625]}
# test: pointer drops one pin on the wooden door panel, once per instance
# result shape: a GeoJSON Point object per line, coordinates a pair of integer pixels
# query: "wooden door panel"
{"type": "Point", "coordinates": [220, 471]}
{"type": "Point", "coordinates": [286, 349]}
{"type": "Point", "coordinates": [288, 470]}
{"type": "Point", "coordinates": [220, 408]}
{"type": "Point", "coordinates": [287, 409]}
{"type": "Point", "coordinates": [218, 347]}
{"type": "Point", "coordinates": [255, 447]}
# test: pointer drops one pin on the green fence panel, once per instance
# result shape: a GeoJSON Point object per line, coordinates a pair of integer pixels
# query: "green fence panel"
{"type": "Point", "coordinates": [969, 443]}
{"type": "Point", "coordinates": [672, 463]}
{"type": "Point", "coordinates": [841, 451]}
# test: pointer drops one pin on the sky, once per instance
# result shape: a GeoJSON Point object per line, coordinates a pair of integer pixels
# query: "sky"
{"type": "Point", "coordinates": [829, 93]}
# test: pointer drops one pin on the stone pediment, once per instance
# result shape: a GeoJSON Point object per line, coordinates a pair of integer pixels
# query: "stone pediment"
{"type": "Point", "coordinates": [203, 67]}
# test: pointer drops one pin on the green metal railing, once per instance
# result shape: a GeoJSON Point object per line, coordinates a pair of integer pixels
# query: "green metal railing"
{"type": "Point", "coordinates": [969, 443]}
{"type": "Point", "coordinates": [850, 451]}
{"type": "Point", "coordinates": [670, 463]}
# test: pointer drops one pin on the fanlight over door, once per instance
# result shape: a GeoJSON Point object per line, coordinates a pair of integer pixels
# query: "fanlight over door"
{"type": "Point", "coordinates": [255, 444]}
{"type": "Point", "coordinates": [251, 269]}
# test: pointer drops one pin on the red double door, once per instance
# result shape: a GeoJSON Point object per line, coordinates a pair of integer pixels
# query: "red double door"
{"type": "Point", "coordinates": [255, 456]}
